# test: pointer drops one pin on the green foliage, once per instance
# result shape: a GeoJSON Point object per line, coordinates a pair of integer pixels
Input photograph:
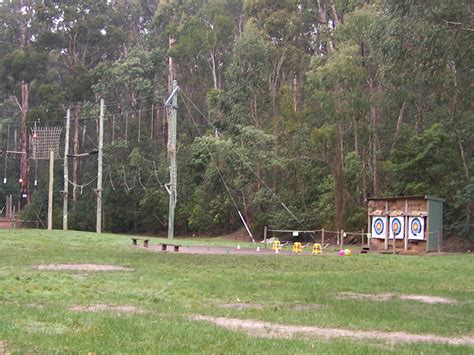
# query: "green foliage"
{"type": "Point", "coordinates": [320, 104]}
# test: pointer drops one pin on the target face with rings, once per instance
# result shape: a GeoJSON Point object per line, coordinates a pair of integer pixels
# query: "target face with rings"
{"type": "Point", "coordinates": [417, 228]}
{"type": "Point", "coordinates": [397, 227]}
{"type": "Point", "coordinates": [379, 227]}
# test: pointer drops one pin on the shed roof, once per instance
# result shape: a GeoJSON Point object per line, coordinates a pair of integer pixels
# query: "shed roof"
{"type": "Point", "coordinates": [420, 197]}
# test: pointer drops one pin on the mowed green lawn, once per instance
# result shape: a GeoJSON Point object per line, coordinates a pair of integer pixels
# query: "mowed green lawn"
{"type": "Point", "coordinates": [171, 288]}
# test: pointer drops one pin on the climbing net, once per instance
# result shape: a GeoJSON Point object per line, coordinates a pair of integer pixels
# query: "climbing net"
{"type": "Point", "coordinates": [45, 139]}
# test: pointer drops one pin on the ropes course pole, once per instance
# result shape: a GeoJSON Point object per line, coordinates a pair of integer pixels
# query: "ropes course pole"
{"type": "Point", "coordinates": [172, 103]}
{"type": "Point", "coordinates": [66, 184]}
{"type": "Point", "coordinates": [50, 190]}
{"type": "Point", "coordinates": [99, 168]}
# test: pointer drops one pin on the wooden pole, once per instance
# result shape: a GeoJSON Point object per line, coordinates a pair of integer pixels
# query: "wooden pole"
{"type": "Point", "coordinates": [66, 169]}
{"type": "Point", "coordinates": [172, 158]}
{"type": "Point", "coordinates": [394, 245]}
{"type": "Point", "coordinates": [50, 190]}
{"type": "Point", "coordinates": [342, 238]}
{"type": "Point", "coordinates": [99, 168]}
{"type": "Point", "coordinates": [322, 238]}
{"type": "Point", "coordinates": [406, 226]}
{"type": "Point", "coordinates": [387, 230]}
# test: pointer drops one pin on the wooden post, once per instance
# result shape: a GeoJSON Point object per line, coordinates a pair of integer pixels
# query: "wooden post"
{"type": "Point", "coordinates": [337, 237]}
{"type": "Point", "coordinates": [342, 239]}
{"type": "Point", "coordinates": [99, 168]}
{"type": "Point", "coordinates": [394, 245]}
{"type": "Point", "coordinates": [265, 231]}
{"type": "Point", "coordinates": [363, 236]}
{"type": "Point", "coordinates": [322, 238]}
{"type": "Point", "coordinates": [50, 190]}
{"type": "Point", "coordinates": [369, 228]}
{"type": "Point", "coordinates": [406, 226]}
{"type": "Point", "coordinates": [387, 230]}
{"type": "Point", "coordinates": [66, 182]}
{"type": "Point", "coordinates": [172, 158]}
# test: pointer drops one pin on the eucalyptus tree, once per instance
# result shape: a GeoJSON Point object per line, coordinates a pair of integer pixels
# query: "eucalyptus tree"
{"type": "Point", "coordinates": [23, 62]}
{"type": "Point", "coordinates": [82, 37]}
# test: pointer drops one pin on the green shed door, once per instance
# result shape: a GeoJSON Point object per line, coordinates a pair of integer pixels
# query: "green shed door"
{"type": "Point", "coordinates": [435, 224]}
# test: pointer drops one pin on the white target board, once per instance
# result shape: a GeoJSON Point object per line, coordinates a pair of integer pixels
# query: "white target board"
{"type": "Point", "coordinates": [379, 227]}
{"type": "Point", "coordinates": [416, 228]}
{"type": "Point", "coordinates": [397, 227]}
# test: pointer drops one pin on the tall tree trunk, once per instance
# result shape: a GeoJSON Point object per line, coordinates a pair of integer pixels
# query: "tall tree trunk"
{"type": "Point", "coordinates": [365, 188]}
{"type": "Point", "coordinates": [214, 68]}
{"type": "Point", "coordinates": [373, 122]}
{"type": "Point", "coordinates": [356, 138]}
{"type": "Point", "coordinates": [339, 180]}
{"type": "Point", "coordinates": [399, 124]}
{"type": "Point", "coordinates": [323, 19]}
{"type": "Point", "coordinates": [274, 80]}
{"type": "Point", "coordinates": [24, 144]}
{"type": "Point", "coordinates": [295, 86]}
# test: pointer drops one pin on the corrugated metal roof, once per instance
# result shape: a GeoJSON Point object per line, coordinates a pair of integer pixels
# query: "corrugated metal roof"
{"type": "Point", "coordinates": [420, 197]}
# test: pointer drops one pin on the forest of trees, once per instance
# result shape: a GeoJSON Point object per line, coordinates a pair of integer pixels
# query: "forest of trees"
{"type": "Point", "coordinates": [292, 111]}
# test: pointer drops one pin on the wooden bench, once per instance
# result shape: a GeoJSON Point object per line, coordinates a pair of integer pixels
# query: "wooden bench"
{"type": "Point", "coordinates": [175, 246]}
{"type": "Point", "coordinates": [135, 239]}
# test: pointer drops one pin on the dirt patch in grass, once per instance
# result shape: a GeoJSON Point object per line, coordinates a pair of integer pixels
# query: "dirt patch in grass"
{"type": "Point", "coordinates": [389, 296]}
{"type": "Point", "coordinates": [81, 267]}
{"type": "Point", "coordinates": [273, 330]}
{"type": "Point", "coordinates": [428, 299]}
{"type": "Point", "coordinates": [3, 347]}
{"type": "Point", "coordinates": [107, 308]}
{"type": "Point", "coordinates": [365, 296]}
{"type": "Point", "coordinates": [308, 306]}
{"type": "Point", "coordinates": [296, 307]}
{"type": "Point", "coordinates": [241, 305]}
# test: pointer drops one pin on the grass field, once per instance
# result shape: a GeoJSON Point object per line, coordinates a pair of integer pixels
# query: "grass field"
{"type": "Point", "coordinates": [171, 289]}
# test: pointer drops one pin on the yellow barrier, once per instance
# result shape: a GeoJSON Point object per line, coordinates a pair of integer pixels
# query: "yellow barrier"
{"type": "Point", "coordinates": [276, 246]}
{"type": "Point", "coordinates": [317, 250]}
{"type": "Point", "coordinates": [297, 248]}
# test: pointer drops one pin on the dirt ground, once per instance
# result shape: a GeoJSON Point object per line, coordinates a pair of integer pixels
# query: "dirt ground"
{"type": "Point", "coordinates": [81, 267]}
{"type": "Point", "coordinates": [389, 297]}
{"type": "Point", "coordinates": [107, 307]}
{"type": "Point", "coordinates": [272, 330]}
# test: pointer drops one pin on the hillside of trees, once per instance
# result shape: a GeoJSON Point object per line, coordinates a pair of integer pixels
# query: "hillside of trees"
{"type": "Point", "coordinates": [291, 111]}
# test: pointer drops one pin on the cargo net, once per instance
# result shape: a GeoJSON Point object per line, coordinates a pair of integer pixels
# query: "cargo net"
{"type": "Point", "coordinates": [43, 140]}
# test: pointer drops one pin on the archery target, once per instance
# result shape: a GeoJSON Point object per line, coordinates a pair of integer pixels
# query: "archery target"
{"type": "Point", "coordinates": [397, 227]}
{"type": "Point", "coordinates": [379, 227]}
{"type": "Point", "coordinates": [417, 228]}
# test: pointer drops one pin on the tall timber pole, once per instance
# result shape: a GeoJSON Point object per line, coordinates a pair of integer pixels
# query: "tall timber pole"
{"type": "Point", "coordinates": [99, 168]}
{"type": "Point", "coordinates": [50, 190]}
{"type": "Point", "coordinates": [66, 182]}
{"type": "Point", "coordinates": [172, 103]}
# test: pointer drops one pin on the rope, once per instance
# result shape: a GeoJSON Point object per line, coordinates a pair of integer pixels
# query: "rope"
{"type": "Point", "coordinates": [247, 165]}
{"type": "Point", "coordinates": [220, 175]}
{"type": "Point", "coordinates": [140, 178]}
{"type": "Point", "coordinates": [155, 173]}
{"type": "Point", "coordinates": [81, 186]}
{"type": "Point", "coordinates": [110, 177]}
{"type": "Point", "coordinates": [125, 180]}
